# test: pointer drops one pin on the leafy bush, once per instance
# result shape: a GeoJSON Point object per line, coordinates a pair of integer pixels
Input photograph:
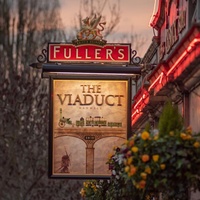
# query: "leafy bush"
{"type": "Point", "coordinates": [154, 162]}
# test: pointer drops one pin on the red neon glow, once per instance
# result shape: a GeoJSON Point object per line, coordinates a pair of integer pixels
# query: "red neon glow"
{"type": "Point", "coordinates": [159, 78]}
{"type": "Point", "coordinates": [188, 50]}
{"type": "Point", "coordinates": [177, 62]}
{"type": "Point", "coordinates": [193, 43]}
{"type": "Point", "coordinates": [137, 111]}
{"type": "Point", "coordinates": [140, 105]}
{"type": "Point", "coordinates": [136, 118]}
{"type": "Point", "coordinates": [143, 97]}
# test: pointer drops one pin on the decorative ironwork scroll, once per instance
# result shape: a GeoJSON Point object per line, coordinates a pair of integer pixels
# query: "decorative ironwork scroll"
{"type": "Point", "coordinates": [42, 58]}
{"type": "Point", "coordinates": [135, 59]}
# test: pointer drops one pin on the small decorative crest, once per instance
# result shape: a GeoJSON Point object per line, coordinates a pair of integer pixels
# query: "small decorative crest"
{"type": "Point", "coordinates": [90, 33]}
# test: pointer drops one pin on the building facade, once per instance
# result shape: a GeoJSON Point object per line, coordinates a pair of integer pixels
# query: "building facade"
{"type": "Point", "coordinates": [171, 66]}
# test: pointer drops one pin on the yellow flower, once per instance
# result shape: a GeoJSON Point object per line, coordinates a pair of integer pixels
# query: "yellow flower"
{"type": "Point", "coordinates": [183, 136]}
{"type": "Point", "coordinates": [82, 192]}
{"type": "Point", "coordinates": [110, 156]}
{"type": "Point", "coordinates": [162, 166]}
{"type": "Point", "coordinates": [155, 158]}
{"type": "Point", "coordinates": [171, 133]}
{"type": "Point", "coordinates": [196, 145]}
{"type": "Point", "coordinates": [94, 187]}
{"type": "Point", "coordinates": [145, 158]}
{"type": "Point", "coordinates": [145, 135]}
{"type": "Point", "coordinates": [129, 160]}
{"type": "Point", "coordinates": [189, 130]}
{"type": "Point", "coordinates": [155, 137]}
{"type": "Point", "coordinates": [126, 169]}
{"type": "Point", "coordinates": [85, 184]}
{"type": "Point", "coordinates": [148, 170]}
{"type": "Point", "coordinates": [143, 175]}
{"type": "Point", "coordinates": [134, 149]}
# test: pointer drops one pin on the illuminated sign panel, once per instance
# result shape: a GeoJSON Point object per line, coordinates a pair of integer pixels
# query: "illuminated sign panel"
{"type": "Point", "coordinates": [109, 53]}
{"type": "Point", "coordinates": [89, 118]}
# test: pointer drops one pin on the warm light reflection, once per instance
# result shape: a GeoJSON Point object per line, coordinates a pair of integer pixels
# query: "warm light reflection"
{"type": "Point", "coordinates": [177, 62]}
{"type": "Point", "coordinates": [140, 104]}
{"type": "Point", "coordinates": [188, 50]}
{"type": "Point", "coordinates": [159, 78]}
{"type": "Point", "coordinates": [143, 97]}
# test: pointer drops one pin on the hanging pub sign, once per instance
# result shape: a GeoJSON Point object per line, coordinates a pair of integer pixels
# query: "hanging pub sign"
{"type": "Point", "coordinates": [90, 100]}
{"type": "Point", "coordinates": [89, 117]}
{"type": "Point", "coordinates": [89, 46]}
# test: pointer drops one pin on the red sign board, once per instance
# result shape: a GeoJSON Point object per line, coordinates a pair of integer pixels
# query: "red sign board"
{"type": "Point", "coordinates": [109, 53]}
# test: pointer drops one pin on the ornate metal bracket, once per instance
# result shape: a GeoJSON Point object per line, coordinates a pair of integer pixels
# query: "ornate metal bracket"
{"type": "Point", "coordinates": [135, 59]}
{"type": "Point", "coordinates": [42, 58]}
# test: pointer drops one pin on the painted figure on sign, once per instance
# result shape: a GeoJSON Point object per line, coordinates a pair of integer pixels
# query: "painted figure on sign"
{"type": "Point", "coordinates": [65, 163]}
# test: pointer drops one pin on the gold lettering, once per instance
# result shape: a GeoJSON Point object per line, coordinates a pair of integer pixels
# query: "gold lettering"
{"type": "Point", "coordinates": [91, 88]}
{"type": "Point", "coordinates": [119, 99]}
{"type": "Point", "coordinates": [86, 100]}
{"type": "Point", "coordinates": [90, 99]}
{"type": "Point", "coordinates": [83, 86]}
{"type": "Point", "coordinates": [62, 100]}
{"type": "Point", "coordinates": [77, 100]}
{"type": "Point", "coordinates": [98, 88]}
{"type": "Point", "coordinates": [107, 102]}
{"type": "Point", "coordinates": [102, 100]}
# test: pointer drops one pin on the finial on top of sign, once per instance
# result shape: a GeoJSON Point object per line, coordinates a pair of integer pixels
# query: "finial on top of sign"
{"type": "Point", "coordinates": [90, 33]}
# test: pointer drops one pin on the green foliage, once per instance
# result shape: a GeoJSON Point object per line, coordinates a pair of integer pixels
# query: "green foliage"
{"type": "Point", "coordinates": [116, 188]}
{"type": "Point", "coordinates": [147, 127]}
{"type": "Point", "coordinates": [170, 119]}
{"type": "Point", "coordinates": [152, 162]}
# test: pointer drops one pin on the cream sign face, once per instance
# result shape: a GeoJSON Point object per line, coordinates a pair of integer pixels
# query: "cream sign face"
{"type": "Point", "coordinates": [89, 118]}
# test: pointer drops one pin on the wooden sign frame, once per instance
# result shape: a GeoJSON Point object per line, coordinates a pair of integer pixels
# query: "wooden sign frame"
{"type": "Point", "coordinates": [89, 116]}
